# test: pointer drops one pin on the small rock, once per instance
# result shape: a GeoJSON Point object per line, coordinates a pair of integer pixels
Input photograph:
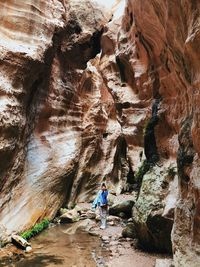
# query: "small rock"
{"type": "Point", "coordinates": [91, 214]}
{"type": "Point", "coordinates": [28, 249]}
{"type": "Point", "coordinates": [115, 219]}
{"type": "Point", "coordinates": [70, 216]}
{"type": "Point", "coordinates": [98, 218]}
{"type": "Point", "coordinates": [130, 220]}
{"type": "Point", "coordinates": [105, 238]}
{"type": "Point", "coordinates": [111, 223]}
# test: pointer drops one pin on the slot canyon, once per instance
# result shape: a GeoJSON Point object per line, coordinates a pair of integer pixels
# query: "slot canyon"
{"type": "Point", "coordinates": [94, 92]}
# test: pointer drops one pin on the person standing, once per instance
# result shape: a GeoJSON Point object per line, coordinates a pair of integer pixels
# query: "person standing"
{"type": "Point", "coordinates": [101, 202]}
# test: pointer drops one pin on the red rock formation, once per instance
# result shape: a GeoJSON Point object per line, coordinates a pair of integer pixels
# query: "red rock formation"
{"type": "Point", "coordinates": [151, 64]}
{"type": "Point", "coordinates": [65, 125]}
{"type": "Point", "coordinates": [44, 47]}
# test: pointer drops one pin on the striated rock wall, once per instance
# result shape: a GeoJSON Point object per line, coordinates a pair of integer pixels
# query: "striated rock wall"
{"type": "Point", "coordinates": [46, 121]}
{"type": "Point", "coordinates": [150, 62]}
{"type": "Point", "coordinates": [70, 118]}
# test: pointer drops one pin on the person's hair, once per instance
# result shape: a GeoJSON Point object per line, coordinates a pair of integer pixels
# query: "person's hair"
{"type": "Point", "coordinates": [103, 184]}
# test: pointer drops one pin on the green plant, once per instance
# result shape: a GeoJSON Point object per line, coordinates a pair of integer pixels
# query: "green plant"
{"type": "Point", "coordinates": [36, 229]}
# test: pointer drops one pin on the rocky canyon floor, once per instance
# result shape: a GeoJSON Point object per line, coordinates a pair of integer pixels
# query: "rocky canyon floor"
{"type": "Point", "coordinates": [92, 94]}
{"type": "Point", "coordinates": [81, 244]}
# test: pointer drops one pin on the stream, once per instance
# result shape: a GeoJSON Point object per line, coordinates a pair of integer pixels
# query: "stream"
{"type": "Point", "coordinates": [53, 247]}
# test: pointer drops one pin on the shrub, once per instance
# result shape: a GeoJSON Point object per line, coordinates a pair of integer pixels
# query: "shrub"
{"type": "Point", "coordinates": [36, 229]}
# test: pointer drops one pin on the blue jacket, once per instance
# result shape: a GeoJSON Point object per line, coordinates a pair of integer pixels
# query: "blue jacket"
{"type": "Point", "coordinates": [101, 199]}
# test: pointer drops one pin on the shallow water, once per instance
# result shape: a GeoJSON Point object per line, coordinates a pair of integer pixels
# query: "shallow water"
{"type": "Point", "coordinates": [55, 248]}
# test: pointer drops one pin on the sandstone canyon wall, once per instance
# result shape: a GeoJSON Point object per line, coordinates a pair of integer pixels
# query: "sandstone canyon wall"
{"type": "Point", "coordinates": [85, 97]}
{"type": "Point", "coordinates": [47, 122]}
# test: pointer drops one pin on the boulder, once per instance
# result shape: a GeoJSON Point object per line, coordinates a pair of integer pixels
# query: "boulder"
{"type": "Point", "coordinates": [129, 231]}
{"type": "Point", "coordinates": [153, 228]}
{"type": "Point", "coordinates": [125, 208]}
{"type": "Point", "coordinates": [20, 241]}
{"type": "Point", "coordinates": [81, 209]}
{"type": "Point", "coordinates": [70, 216]}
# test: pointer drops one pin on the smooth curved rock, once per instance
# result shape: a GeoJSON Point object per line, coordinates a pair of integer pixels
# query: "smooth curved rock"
{"type": "Point", "coordinates": [70, 216]}
{"type": "Point", "coordinates": [65, 127]}
{"type": "Point", "coordinates": [124, 207]}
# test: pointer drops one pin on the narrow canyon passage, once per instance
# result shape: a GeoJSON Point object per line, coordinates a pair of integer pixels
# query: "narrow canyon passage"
{"type": "Point", "coordinates": [100, 91]}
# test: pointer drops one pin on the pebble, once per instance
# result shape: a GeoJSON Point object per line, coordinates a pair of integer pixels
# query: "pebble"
{"type": "Point", "coordinates": [28, 249]}
{"type": "Point", "coordinates": [105, 238]}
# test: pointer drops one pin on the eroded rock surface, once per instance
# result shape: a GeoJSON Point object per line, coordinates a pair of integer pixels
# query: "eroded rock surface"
{"type": "Point", "coordinates": [153, 212]}
{"type": "Point", "coordinates": [151, 67]}
{"type": "Point", "coordinates": [68, 121]}
{"type": "Point", "coordinates": [44, 48]}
